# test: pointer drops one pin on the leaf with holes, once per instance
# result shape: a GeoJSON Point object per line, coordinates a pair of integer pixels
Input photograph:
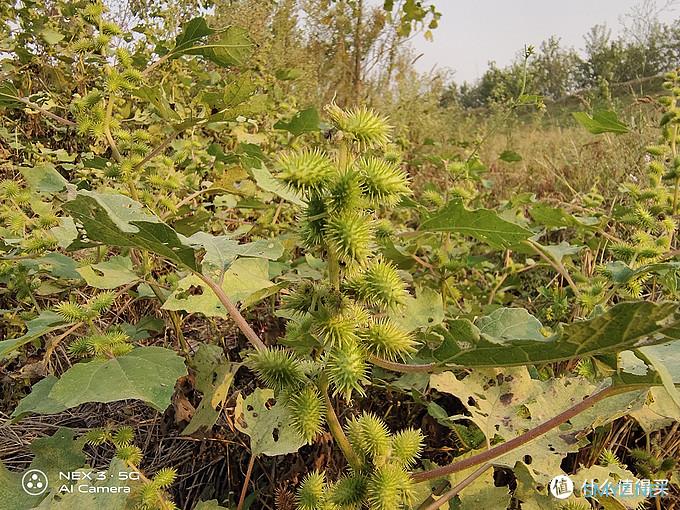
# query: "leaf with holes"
{"type": "Point", "coordinates": [267, 423]}
{"type": "Point", "coordinates": [214, 375]}
{"type": "Point", "coordinates": [114, 273]}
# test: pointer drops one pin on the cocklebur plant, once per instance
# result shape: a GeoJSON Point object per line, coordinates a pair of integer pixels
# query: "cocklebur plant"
{"type": "Point", "coordinates": [648, 223]}
{"type": "Point", "coordinates": [151, 493]}
{"type": "Point", "coordinates": [338, 327]}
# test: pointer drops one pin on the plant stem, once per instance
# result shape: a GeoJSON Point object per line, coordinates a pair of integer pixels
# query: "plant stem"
{"type": "Point", "coordinates": [525, 438]}
{"type": "Point", "coordinates": [246, 482]}
{"type": "Point", "coordinates": [333, 270]}
{"type": "Point", "coordinates": [403, 367]}
{"type": "Point", "coordinates": [233, 312]}
{"type": "Point", "coordinates": [558, 266]}
{"type": "Point", "coordinates": [336, 429]}
{"type": "Point", "coordinates": [453, 492]}
{"type": "Point", "coordinates": [47, 113]}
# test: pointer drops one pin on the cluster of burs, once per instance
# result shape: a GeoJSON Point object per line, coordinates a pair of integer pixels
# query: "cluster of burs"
{"type": "Point", "coordinates": [338, 326]}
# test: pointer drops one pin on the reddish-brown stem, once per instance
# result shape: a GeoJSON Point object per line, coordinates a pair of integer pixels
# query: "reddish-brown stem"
{"type": "Point", "coordinates": [234, 312]}
{"type": "Point", "coordinates": [449, 495]}
{"type": "Point", "coordinates": [246, 482]}
{"type": "Point", "coordinates": [518, 441]}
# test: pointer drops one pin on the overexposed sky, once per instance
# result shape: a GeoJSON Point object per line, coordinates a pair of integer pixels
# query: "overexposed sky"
{"type": "Point", "coordinates": [473, 32]}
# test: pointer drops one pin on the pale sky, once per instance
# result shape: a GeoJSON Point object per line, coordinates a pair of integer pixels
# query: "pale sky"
{"type": "Point", "coordinates": [473, 32]}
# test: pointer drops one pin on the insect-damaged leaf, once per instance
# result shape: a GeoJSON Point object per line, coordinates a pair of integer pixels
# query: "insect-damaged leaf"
{"type": "Point", "coordinates": [267, 423]}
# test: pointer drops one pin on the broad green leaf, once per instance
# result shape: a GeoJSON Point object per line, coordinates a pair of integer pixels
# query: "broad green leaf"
{"type": "Point", "coordinates": [511, 323]}
{"type": "Point", "coordinates": [556, 217]}
{"type": "Point", "coordinates": [56, 264]}
{"type": "Point", "coordinates": [146, 373]}
{"type": "Point", "coordinates": [482, 224]}
{"type": "Point", "coordinates": [211, 504]}
{"type": "Point", "coordinates": [39, 401]}
{"type": "Point", "coordinates": [559, 251]}
{"type": "Point", "coordinates": [117, 220]}
{"type": "Point", "coordinates": [620, 273]}
{"type": "Point", "coordinates": [221, 251]}
{"type": "Point", "coordinates": [158, 98]}
{"type": "Point", "coordinates": [13, 497]}
{"type": "Point", "coordinates": [44, 323]}
{"type": "Point", "coordinates": [510, 156]}
{"type": "Point", "coordinates": [192, 32]}
{"type": "Point", "coordinates": [266, 423]}
{"type": "Point", "coordinates": [9, 96]}
{"type": "Point", "coordinates": [231, 48]}
{"type": "Point", "coordinates": [613, 473]}
{"type": "Point", "coordinates": [624, 326]}
{"type": "Point", "coordinates": [482, 492]}
{"type": "Point", "coordinates": [114, 273]}
{"type": "Point", "coordinates": [53, 454]}
{"type": "Point", "coordinates": [424, 311]}
{"type": "Point", "coordinates": [658, 412]}
{"type": "Point", "coordinates": [51, 36]}
{"type": "Point", "coordinates": [60, 452]}
{"type": "Point", "coordinates": [601, 121]}
{"type": "Point", "coordinates": [66, 232]}
{"type": "Point", "coordinates": [665, 359]}
{"type": "Point", "coordinates": [214, 375]}
{"type": "Point", "coordinates": [305, 121]}
{"type": "Point", "coordinates": [44, 178]}
{"type": "Point", "coordinates": [243, 278]}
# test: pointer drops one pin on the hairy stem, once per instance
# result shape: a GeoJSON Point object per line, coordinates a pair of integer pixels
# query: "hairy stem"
{"type": "Point", "coordinates": [525, 438]}
{"type": "Point", "coordinates": [234, 312]}
{"type": "Point", "coordinates": [558, 266]}
{"type": "Point", "coordinates": [246, 483]}
{"type": "Point", "coordinates": [403, 367]}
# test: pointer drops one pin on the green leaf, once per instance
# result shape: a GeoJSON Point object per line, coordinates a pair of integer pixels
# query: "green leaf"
{"type": "Point", "coordinates": [244, 278]}
{"type": "Point", "coordinates": [559, 251]}
{"type": "Point", "coordinates": [624, 326]}
{"type": "Point", "coordinates": [602, 121]}
{"type": "Point", "coordinates": [214, 375]}
{"type": "Point", "coordinates": [482, 224]}
{"type": "Point", "coordinates": [424, 311]}
{"type": "Point", "coordinates": [60, 452]}
{"type": "Point", "coordinates": [117, 220]}
{"type": "Point", "coordinates": [158, 99]}
{"type": "Point", "coordinates": [44, 178]}
{"type": "Point", "coordinates": [221, 251]}
{"type": "Point", "coordinates": [96, 493]}
{"type": "Point", "coordinates": [44, 323]}
{"type": "Point", "coordinates": [114, 273]}
{"type": "Point", "coordinates": [305, 121]}
{"type": "Point", "coordinates": [51, 36]}
{"type": "Point", "coordinates": [511, 323]}
{"type": "Point", "coordinates": [510, 156]}
{"type": "Point", "coordinates": [146, 373]}
{"type": "Point", "coordinates": [267, 423]}
{"type": "Point", "coordinates": [9, 96]}
{"type": "Point", "coordinates": [192, 32]}
{"type": "Point", "coordinates": [232, 48]}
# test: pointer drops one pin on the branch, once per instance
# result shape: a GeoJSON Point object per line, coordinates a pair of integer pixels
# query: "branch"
{"type": "Point", "coordinates": [233, 312]}
{"type": "Point", "coordinates": [453, 492]}
{"type": "Point", "coordinates": [47, 113]}
{"type": "Point", "coordinates": [403, 367]}
{"type": "Point", "coordinates": [156, 150]}
{"type": "Point", "coordinates": [555, 264]}
{"type": "Point", "coordinates": [528, 436]}
{"type": "Point", "coordinates": [336, 429]}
